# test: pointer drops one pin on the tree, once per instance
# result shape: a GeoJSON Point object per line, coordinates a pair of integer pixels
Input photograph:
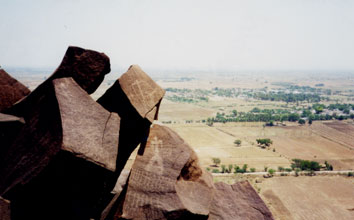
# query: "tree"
{"type": "Point", "coordinates": [271, 172]}
{"type": "Point", "coordinates": [264, 142]}
{"type": "Point", "coordinates": [216, 161]}
{"type": "Point", "coordinates": [238, 142]}
{"type": "Point", "coordinates": [234, 113]}
{"type": "Point", "coordinates": [301, 121]}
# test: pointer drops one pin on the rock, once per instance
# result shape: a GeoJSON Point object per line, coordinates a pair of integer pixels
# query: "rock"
{"type": "Point", "coordinates": [5, 211]}
{"type": "Point", "coordinates": [11, 90]}
{"type": "Point", "coordinates": [63, 160]}
{"type": "Point", "coordinates": [9, 127]}
{"type": "Point", "coordinates": [143, 93]}
{"type": "Point", "coordinates": [136, 99]}
{"type": "Point", "coordinates": [86, 67]}
{"type": "Point", "coordinates": [237, 201]}
{"type": "Point", "coordinates": [165, 182]}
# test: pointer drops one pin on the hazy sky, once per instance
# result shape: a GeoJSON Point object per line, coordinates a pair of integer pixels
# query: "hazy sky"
{"type": "Point", "coordinates": [208, 35]}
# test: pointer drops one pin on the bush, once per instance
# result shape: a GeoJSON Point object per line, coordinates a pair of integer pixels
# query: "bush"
{"type": "Point", "coordinates": [253, 170]}
{"type": "Point", "coordinates": [238, 142]}
{"type": "Point", "coordinates": [350, 174]}
{"type": "Point", "coordinates": [328, 166]}
{"type": "Point", "coordinates": [230, 168]}
{"type": "Point", "coordinates": [271, 172]}
{"type": "Point", "coordinates": [288, 169]}
{"type": "Point", "coordinates": [265, 169]}
{"type": "Point", "coordinates": [215, 171]}
{"type": "Point", "coordinates": [280, 169]}
{"type": "Point", "coordinates": [223, 168]}
{"type": "Point", "coordinates": [301, 121]}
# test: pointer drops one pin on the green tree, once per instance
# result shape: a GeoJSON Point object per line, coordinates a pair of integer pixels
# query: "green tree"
{"type": "Point", "coordinates": [264, 142]}
{"type": "Point", "coordinates": [216, 161]}
{"type": "Point", "coordinates": [301, 121]}
{"type": "Point", "coordinates": [271, 172]}
{"type": "Point", "coordinates": [238, 142]}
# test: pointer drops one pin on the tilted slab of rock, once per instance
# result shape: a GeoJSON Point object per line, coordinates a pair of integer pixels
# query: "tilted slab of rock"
{"type": "Point", "coordinates": [89, 131]}
{"type": "Point", "coordinates": [64, 158]}
{"type": "Point", "coordinates": [11, 90]}
{"type": "Point", "coordinates": [166, 181]}
{"type": "Point", "coordinates": [143, 93]}
{"type": "Point", "coordinates": [86, 67]}
{"type": "Point", "coordinates": [238, 201]}
{"type": "Point", "coordinates": [136, 98]}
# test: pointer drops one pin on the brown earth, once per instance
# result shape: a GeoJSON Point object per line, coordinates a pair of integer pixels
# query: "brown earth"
{"type": "Point", "coordinates": [303, 197]}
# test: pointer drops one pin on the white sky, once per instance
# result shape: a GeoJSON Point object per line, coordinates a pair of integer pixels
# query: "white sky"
{"type": "Point", "coordinates": [207, 35]}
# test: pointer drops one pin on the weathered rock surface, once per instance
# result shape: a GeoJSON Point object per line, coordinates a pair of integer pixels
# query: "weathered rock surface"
{"type": "Point", "coordinates": [136, 98]}
{"type": "Point", "coordinates": [64, 158]}
{"type": "Point", "coordinates": [166, 182]}
{"type": "Point", "coordinates": [11, 90]}
{"type": "Point", "coordinates": [86, 67]}
{"type": "Point", "coordinates": [143, 93]}
{"type": "Point", "coordinates": [238, 201]}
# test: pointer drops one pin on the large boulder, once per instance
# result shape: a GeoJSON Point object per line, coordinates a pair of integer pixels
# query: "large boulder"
{"type": "Point", "coordinates": [238, 201]}
{"type": "Point", "coordinates": [166, 182]}
{"type": "Point", "coordinates": [86, 67]}
{"type": "Point", "coordinates": [11, 90]}
{"type": "Point", "coordinates": [136, 98]}
{"type": "Point", "coordinates": [62, 164]}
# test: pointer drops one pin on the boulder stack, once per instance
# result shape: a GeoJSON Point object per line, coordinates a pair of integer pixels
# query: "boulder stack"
{"type": "Point", "coordinates": [63, 153]}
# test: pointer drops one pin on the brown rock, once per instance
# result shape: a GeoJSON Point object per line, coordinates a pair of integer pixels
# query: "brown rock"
{"type": "Point", "coordinates": [9, 127]}
{"type": "Point", "coordinates": [63, 160]}
{"type": "Point", "coordinates": [11, 90]}
{"type": "Point", "coordinates": [136, 98]}
{"type": "Point", "coordinates": [5, 211]}
{"type": "Point", "coordinates": [166, 181]}
{"type": "Point", "coordinates": [143, 93]}
{"type": "Point", "coordinates": [238, 201]}
{"type": "Point", "coordinates": [86, 67]}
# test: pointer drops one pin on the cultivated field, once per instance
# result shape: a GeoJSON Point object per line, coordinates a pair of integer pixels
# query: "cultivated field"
{"type": "Point", "coordinates": [303, 197]}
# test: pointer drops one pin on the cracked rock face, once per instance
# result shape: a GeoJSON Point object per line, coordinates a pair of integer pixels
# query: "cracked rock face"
{"type": "Point", "coordinates": [11, 90]}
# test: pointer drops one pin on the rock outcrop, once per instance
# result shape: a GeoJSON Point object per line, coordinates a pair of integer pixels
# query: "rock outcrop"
{"type": "Point", "coordinates": [166, 182]}
{"type": "Point", "coordinates": [11, 90]}
{"type": "Point", "coordinates": [86, 67]}
{"type": "Point", "coordinates": [136, 99]}
{"type": "Point", "coordinates": [63, 153]}
{"type": "Point", "coordinates": [238, 201]}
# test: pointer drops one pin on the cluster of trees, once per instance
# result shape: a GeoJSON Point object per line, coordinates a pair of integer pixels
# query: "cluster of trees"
{"type": "Point", "coordinates": [305, 165]}
{"type": "Point", "coordinates": [287, 97]}
{"type": "Point", "coordinates": [264, 142]}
